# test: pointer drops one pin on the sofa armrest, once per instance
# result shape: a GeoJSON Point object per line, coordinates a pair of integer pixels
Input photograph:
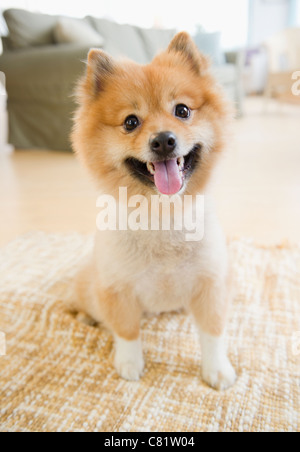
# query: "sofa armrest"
{"type": "Point", "coordinates": [4, 41]}
{"type": "Point", "coordinates": [237, 58]}
{"type": "Point", "coordinates": [43, 73]}
{"type": "Point", "coordinates": [40, 83]}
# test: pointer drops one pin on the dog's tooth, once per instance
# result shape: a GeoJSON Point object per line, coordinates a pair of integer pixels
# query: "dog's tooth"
{"type": "Point", "coordinates": [180, 162]}
{"type": "Point", "coordinates": [150, 168]}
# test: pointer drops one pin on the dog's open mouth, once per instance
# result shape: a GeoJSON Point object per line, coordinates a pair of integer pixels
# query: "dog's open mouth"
{"type": "Point", "coordinates": [167, 175]}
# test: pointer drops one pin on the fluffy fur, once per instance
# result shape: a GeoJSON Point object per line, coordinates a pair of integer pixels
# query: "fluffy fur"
{"type": "Point", "coordinates": [153, 271]}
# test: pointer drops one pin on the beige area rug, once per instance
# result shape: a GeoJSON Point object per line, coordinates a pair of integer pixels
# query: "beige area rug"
{"type": "Point", "coordinates": [57, 374]}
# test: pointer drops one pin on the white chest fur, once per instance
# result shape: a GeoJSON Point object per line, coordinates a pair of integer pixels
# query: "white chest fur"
{"type": "Point", "coordinates": [160, 267]}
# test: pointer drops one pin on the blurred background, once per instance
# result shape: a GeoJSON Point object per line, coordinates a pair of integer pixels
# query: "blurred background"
{"type": "Point", "coordinates": [254, 47]}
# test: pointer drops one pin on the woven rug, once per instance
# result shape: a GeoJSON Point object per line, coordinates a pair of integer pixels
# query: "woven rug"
{"type": "Point", "coordinates": [57, 373]}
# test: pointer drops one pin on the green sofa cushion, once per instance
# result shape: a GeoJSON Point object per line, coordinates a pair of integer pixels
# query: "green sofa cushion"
{"type": "Point", "coordinates": [155, 40]}
{"type": "Point", "coordinates": [68, 30]}
{"type": "Point", "coordinates": [29, 29]}
{"type": "Point", "coordinates": [131, 41]}
{"type": "Point", "coordinates": [120, 40]}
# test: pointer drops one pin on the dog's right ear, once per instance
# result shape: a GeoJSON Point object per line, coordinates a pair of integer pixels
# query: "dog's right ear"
{"type": "Point", "coordinates": [100, 66]}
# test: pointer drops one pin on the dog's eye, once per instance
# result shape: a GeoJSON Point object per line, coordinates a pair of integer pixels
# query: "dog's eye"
{"type": "Point", "coordinates": [182, 111]}
{"type": "Point", "coordinates": [131, 123]}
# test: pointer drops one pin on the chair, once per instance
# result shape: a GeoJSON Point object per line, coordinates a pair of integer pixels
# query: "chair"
{"type": "Point", "coordinates": [283, 50]}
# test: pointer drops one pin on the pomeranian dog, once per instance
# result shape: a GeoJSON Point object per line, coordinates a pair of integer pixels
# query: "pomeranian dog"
{"type": "Point", "coordinates": [156, 129]}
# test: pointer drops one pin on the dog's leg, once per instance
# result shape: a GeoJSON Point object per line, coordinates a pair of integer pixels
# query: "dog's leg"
{"type": "Point", "coordinates": [217, 370]}
{"type": "Point", "coordinates": [121, 313]}
{"type": "Point", "coordinates": [129, 361]}
{"type": "Point", "coordinates": [209, 309]}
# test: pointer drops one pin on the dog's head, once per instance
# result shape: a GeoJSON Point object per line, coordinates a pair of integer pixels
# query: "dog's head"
{"type": "Point", "coordinates": [153, 128]}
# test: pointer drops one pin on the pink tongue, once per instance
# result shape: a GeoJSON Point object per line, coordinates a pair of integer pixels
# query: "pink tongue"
{"type": "Point", "coordinates": [167, 177]}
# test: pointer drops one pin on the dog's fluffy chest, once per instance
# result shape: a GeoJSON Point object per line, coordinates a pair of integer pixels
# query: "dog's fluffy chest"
{"type": "Point", "coordinates": [162, 289]}
{"type": "Point", "coordinates": [168, 275]}
{"type": "Point", "coordinates": [161, 268]}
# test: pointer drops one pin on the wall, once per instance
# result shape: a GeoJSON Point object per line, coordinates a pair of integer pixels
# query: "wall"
{"type": "Point", "coordinates": [267, 17]}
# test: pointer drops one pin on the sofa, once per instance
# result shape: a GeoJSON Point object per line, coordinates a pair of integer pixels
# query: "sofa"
{"type": "Point", "coordinates": [43, 57]}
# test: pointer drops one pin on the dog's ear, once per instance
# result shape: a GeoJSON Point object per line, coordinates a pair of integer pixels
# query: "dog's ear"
{"type": "Point", "coordinates": [183, 45]}
{"type": "Point", "coordinates": [100, 66]}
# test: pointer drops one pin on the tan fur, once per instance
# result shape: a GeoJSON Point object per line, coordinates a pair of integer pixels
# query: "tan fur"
{"type": "Point", "coordinates": [134, 272]}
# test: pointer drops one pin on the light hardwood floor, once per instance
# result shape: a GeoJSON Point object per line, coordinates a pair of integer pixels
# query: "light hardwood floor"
{"type": "Point", "coordinates": [257, 190]}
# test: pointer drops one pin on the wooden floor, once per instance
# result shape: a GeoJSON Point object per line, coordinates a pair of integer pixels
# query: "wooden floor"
{"type": "Point", "coordinates": [257, 190]}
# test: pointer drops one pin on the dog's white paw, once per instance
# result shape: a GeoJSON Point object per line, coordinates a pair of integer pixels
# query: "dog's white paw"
{"type": "Point", "coordinates": [219, 375]}
{"type": "Point", "coordinates": [129, 361]}
{"type": "Point", "coordinates": [131, 371]}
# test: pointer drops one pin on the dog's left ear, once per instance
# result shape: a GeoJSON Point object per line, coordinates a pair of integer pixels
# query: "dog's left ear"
{"type": "Point", "coordinates": [183, 45]}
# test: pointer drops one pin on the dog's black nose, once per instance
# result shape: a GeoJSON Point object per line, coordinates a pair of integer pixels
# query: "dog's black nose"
{"type": "Point", "coordinates": [163, 143]}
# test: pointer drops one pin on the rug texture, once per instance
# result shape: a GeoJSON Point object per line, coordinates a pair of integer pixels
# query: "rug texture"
{"type": "Point", "coordinates": [57, 373]}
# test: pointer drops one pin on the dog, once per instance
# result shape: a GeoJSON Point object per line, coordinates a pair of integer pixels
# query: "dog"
{"type": "Point", "coordinates": [156, 129]}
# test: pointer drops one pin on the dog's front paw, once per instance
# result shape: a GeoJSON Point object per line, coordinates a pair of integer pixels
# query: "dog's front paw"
{"type": "Point", "coordinates": [219, 375]}
{"type": "Point", "coordinates": [129, 361]}
{"type": "Point", "coordinates": [130, 370]}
